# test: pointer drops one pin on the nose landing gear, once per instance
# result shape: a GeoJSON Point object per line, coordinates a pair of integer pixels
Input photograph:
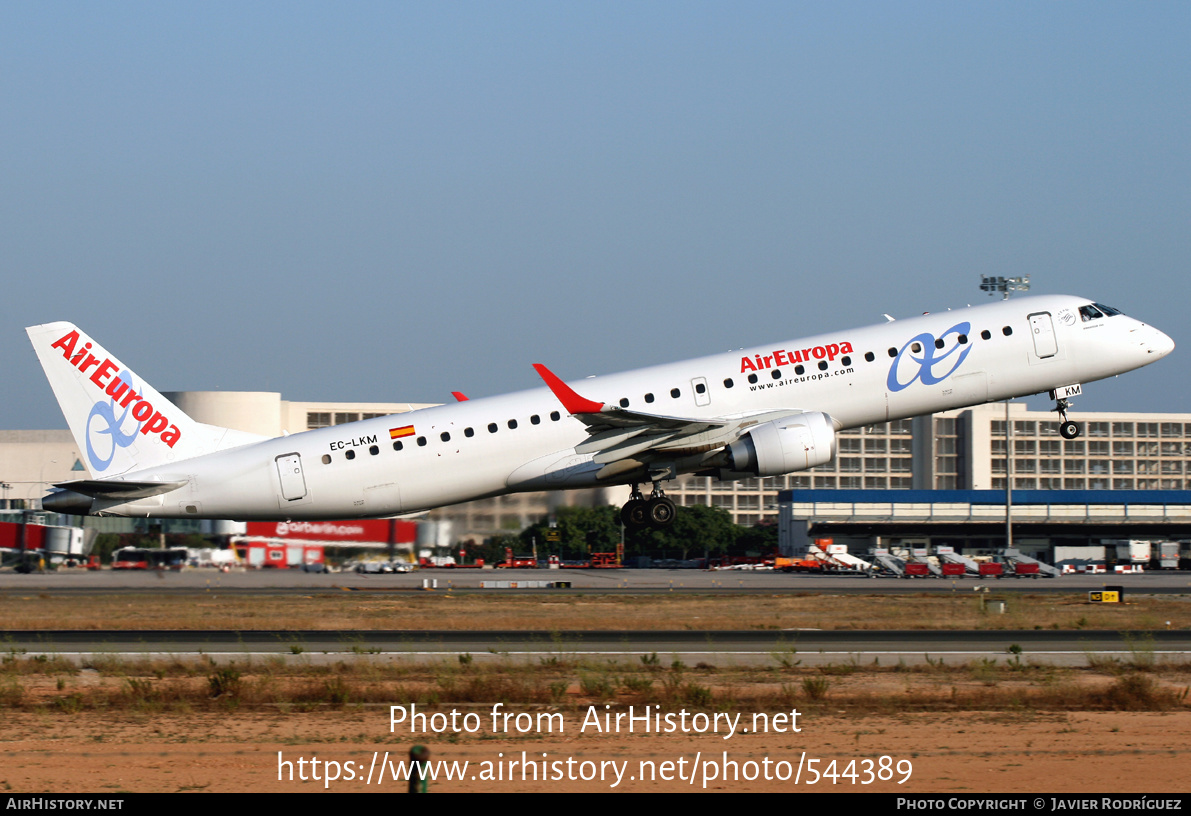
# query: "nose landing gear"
{"type": "Point", "coordinates": [1067, 428]}
{"type": "Point", "coordinates": [657, 511]}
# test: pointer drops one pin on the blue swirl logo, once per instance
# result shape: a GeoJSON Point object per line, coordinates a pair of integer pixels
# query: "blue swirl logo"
{"type": "Point", "coordinates": [109, 426]}
{"type": "Point", "coordinates": [930, 359]}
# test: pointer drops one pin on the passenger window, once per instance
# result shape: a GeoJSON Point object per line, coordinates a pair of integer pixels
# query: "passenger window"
{"type": "Point", "coordinates": [351, 454]}
{"type": "Point", "coordinates": [728, 383]}
{"type": "Point", "coordinates": [421, 441]}
{"type": "Point", "coordinates": [869, 356]}
{"type": "Point", "coordinates": [445, 437]}
{"type": "Point", "coordinates": [675, 393]}
{"type": "Point", "coordinates": [916, 347]}
{"type": "Point", "coordinates": [986, 334]}
{"type": "Point", "coordinates": [469, 433]}
{"type": "Point", "coordinates": [512, 424]}
{"type": "Point", "coordinates": [777, 374]}
{"type": "Point", "coordinates": [374, 450]}
{"type": "Point", "coordinates": [398, 446]}
{"type": "Point", "coordinates": [326, 458]}
{"type": "Point", "coordinates": [649, 397]}
{"type": "Point", "coordinates": [963, 339]}
{"type": "Point", "coordinates": [892, 352]}
{"type": "Point", "coordinates": [846, 360]}
{"type": "Point", "coordinates": [491, 427]}
{"type": "Point", "coordinates": [624, 402]}
{"type": "Point", "coordinates": [700, 388]}
{"type": "Point", "coordinates": [752, 378]}
{"type": "Point", "coordinates": [822, 365]}
{"type": "Point", "coordinates": [939, 342]}
{"type": "Point", "coordinates": [535, 420]}
{"type": "Point", "coordinates": [1007, 331]}
{"type": "Point", "coordinates": [555, 416]}
{"type": "Point", "coordinates": [799, 370]}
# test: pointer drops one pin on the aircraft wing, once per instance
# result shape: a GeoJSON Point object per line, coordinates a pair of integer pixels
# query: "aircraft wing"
{"type": "Point", "coordinates": [617, 433]}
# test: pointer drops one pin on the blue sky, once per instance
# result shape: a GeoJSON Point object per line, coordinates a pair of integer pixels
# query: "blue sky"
{"type": "Point", "coordinates": [390, 201]}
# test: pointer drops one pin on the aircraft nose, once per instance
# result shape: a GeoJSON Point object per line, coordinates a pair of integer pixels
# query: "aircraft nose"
{"type": "Point", "coordinates": [1158, 343]}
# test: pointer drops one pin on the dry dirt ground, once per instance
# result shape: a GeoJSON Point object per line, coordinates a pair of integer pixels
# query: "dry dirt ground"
{"type": "Point", "coordinates": [971, 752]}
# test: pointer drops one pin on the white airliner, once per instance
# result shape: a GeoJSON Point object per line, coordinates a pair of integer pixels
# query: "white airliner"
{"type": "Point", "coordinates": [760, 411]}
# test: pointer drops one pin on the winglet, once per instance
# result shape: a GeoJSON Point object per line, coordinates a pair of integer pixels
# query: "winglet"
{"type": "Point", "coordinates": [459, 396]}
{"type": "Point", "coordinates": [574, 403]}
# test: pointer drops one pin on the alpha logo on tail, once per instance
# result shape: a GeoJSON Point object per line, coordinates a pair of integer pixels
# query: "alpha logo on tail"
{"type": "Point", "coordinates": [117, 384]}
{"type": "Point", "coordinates": [121, 423]}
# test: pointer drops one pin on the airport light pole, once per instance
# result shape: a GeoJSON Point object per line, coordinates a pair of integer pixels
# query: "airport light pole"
{"type": "Point", "coordinates": [1006, 287]}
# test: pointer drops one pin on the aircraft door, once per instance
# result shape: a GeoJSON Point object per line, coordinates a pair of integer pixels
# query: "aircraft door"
{"type": "Point", "coordinates": [293, 482]}
{"type": "Point", "coordinates": [702, 395]}
{"type": "Point", "coordinates": [1043, 330]}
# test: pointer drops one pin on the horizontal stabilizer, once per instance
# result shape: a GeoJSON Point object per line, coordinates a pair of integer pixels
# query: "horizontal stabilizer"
{"type": "Point", "coordinates": [122, 491]}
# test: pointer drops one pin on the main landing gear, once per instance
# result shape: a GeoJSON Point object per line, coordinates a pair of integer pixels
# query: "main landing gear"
{"type": "Point", "coordinates": [1067, 428]}
{"type": "Point", "coordinates": [657, 511]}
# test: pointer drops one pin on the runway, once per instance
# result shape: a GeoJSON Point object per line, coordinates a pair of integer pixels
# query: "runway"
{"type": "Point", "coordinates": [751, 647]}
{"type": "Point", "coordinates": [608, 581]}
{"type": "Point", "coordinates": [714, 647]}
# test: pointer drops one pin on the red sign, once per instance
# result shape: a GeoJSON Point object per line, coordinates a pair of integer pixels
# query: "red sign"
{"type": "Point", "coordinates": [372, 531]}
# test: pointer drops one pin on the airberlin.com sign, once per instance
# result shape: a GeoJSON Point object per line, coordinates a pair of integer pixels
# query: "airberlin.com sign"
{"type": "Point", "coordinates": [384, 531]}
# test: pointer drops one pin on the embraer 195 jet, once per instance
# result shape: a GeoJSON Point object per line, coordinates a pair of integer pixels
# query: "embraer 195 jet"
{"type": "Point", "coordinates": [761, 411]}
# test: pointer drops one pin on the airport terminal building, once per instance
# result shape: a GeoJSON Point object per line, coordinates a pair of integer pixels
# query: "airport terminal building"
{"type": "Point", "coordinates": [964, 450]}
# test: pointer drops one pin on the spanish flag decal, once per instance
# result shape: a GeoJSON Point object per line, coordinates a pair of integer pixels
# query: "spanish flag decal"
{"type": "Point", "coordinates": [398, 433]}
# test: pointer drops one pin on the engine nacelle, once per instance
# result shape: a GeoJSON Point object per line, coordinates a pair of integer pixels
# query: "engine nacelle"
{"type": "Point", "coordinates": [785, 445]}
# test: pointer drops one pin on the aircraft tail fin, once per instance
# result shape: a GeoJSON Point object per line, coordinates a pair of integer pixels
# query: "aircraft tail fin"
{"type": "Point", "coordinates": [119, 421]}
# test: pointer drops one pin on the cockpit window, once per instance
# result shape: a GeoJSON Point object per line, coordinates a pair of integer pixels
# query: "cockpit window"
{"type": "Point", "coordinates": [1108, 310]}
{"type": "Point", "coordinates": [1087, 313]}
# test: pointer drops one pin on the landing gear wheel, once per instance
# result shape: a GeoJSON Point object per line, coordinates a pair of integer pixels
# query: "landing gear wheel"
{"type": "Point", "coordinates": [635, 513]}
{"type": "Point", "coordinates": [1067, 428]}
{"type": "Point", "coordinates": [661, 512]}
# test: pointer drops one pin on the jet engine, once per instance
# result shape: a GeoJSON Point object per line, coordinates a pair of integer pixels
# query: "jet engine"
{"type": "Point", "coordinates": [784, 445]}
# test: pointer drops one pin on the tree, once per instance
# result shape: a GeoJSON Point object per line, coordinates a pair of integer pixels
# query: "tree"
{"type": "Point", "coordinates": [581, 530]}
{"type": "Point", "coordinates": [760, 539]}
{"type": "Point", "coordinates": [696, 530]}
